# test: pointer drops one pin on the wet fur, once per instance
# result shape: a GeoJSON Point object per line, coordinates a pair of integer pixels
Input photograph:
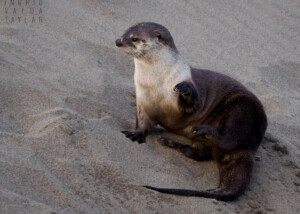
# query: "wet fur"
{"type": "Point", "coordinates": [224, 120]}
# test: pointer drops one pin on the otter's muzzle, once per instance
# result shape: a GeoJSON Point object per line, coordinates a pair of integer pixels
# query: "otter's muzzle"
{"type": "Point", "coordinates": [119, 43]}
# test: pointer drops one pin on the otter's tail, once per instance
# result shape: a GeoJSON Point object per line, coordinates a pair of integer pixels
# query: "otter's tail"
{"type": "Point", "coordinates": [219, 194]}
{"type": "Point", "coordinates": [234, 178]}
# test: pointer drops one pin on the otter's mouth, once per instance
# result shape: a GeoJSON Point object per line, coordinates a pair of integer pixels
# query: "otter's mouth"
{"type": "Point", "coordinates": [133, 52]}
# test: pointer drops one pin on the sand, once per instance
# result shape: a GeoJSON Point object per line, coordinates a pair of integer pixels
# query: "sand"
{"type": "Point", "coordinates": [66, 93]}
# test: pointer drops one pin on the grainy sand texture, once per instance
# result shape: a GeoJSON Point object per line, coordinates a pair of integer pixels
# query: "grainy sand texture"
{"type": "Point", "coordinates": [66, 93]}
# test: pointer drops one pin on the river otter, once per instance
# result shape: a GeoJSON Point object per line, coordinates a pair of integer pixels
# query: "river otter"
{"type": "Point", "coordinates": [224, 120]}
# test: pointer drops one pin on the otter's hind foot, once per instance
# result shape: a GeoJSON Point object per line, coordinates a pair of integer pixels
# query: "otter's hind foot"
{"type": "Point", "coordinates": [206, 132]}
{"type": "Point", "coordinates": [167, 142]}
{"type": "Point", "coordinates": [194, 153]}
{"type": "Point", "coordinates": [135, 136]}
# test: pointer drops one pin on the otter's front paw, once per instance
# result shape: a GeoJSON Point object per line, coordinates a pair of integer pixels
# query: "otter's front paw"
{"type": "Point", "coordinates": [183, 88]}
{"type": "Point", "coordinates": [187, 97]}
{"type": "Point", "coordinates": [135, 136]}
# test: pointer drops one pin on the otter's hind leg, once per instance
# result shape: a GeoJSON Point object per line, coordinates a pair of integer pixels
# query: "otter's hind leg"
{"type": "Point", "coordinates": [199, 154]}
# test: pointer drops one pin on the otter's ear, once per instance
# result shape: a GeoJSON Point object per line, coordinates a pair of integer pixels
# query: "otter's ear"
{"type": "Point", "coordinates": [159, 36]}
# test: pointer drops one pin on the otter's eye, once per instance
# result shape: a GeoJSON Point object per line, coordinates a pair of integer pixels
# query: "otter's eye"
{"type": "Point", "coordinates": [134, 39]}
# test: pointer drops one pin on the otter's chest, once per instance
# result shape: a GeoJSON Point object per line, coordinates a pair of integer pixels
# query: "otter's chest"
{"type": "Point", "coordinates": [154, 85]}
{"type": "Point", "coordinates": [156, 98]}
{"type": "Point", "coordinates": [155, 88]}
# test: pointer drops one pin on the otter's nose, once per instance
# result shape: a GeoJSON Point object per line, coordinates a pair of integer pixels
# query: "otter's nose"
{"type": "Point", "coordinates": [119, 43]}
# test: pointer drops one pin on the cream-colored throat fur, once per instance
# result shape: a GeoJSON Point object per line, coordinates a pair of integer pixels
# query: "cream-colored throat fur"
{"type": "Point", "coordinates": [155, 80]}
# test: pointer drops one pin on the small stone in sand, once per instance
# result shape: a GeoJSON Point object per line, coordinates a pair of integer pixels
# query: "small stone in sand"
{"type": "Point", "coordinates": [260, 211]}
{"type": "Point", "coordinates": [297, 183]}
{"type": "Point", "coordinates": [272, 177]}
{"type": "Point", "coordinates": [214, 201]}
{"type": "Point", "coordinates": [282, 149]}
{"type": "Point", "coordinates": [253, 204]}
{"type": "Point", "coordinates": [269, 208]}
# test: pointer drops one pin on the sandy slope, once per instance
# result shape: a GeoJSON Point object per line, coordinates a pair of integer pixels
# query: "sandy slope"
{"type": "Point", "coordinates": [66, 92]}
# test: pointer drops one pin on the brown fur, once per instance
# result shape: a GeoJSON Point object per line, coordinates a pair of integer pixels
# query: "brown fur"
{"type": "Point", "coordinates": [224, 120]}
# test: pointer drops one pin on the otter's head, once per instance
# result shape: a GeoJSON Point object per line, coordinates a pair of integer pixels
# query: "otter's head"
{"type": "Point", "coordinates": [145, 40]}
